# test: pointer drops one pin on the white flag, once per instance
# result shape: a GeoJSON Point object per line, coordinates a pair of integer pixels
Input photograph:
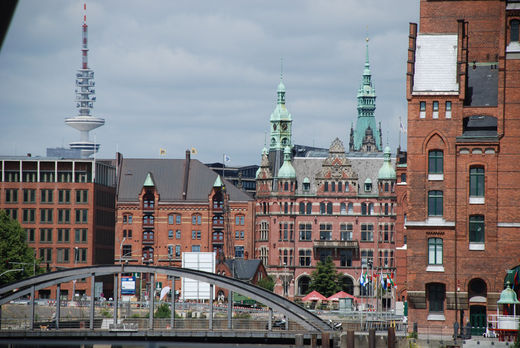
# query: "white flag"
{"type": "Point", "coordinates": [227, 159]}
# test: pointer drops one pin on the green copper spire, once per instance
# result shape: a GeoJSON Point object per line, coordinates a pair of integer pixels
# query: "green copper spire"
{"type": "Point", "coordinates": [387, 172]}
{"type": "Point", "coordinates": [287, 170]}
{"type": "Point", "coordinates": [281, 121]}
{"type": "Point", "coordinates": [366, 107]}
{"type": "Point", "coordinates": [218, 182]}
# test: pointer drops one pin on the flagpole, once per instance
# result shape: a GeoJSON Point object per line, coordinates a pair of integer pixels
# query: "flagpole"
{"type": "Point", "coordinates": [400, 123]}
{"type": "Point", "coordinates": [223, 166]}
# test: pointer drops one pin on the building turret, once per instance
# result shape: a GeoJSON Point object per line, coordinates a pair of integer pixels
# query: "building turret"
{"type": "Point", "coordinates": [386, 177]}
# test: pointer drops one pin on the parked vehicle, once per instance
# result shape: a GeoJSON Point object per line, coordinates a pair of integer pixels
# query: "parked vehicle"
{"type": "Point", "coordinates": [336, 326]}
{"type": "Point", "coordinates": [278, 323]}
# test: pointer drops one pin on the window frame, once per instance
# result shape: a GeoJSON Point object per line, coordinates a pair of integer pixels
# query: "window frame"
{"type": "Point", "coordinates": [435, 251]}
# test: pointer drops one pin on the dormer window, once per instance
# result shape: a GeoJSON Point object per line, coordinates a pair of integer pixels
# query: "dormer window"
{"type": "Point", "coordinates": [368, 186]}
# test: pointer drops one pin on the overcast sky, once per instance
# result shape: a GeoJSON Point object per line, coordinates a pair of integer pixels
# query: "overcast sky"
{"type": "Point", "coordinates": [181, 74]}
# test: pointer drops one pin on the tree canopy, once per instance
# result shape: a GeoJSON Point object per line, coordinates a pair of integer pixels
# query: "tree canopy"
{"type": "Point", "coordinates": [15, 255]}
{"type": "Point", "coordinates": [325, 279]}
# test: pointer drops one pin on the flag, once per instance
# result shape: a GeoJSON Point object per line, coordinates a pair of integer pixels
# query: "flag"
{"type": "Point", "coordinates": [401, 127]}
{"type": "Point", "coordinates": [194, 151]}
{"type": "Point", "coordinates": [227, 159]}
{"type": "Point", "coordinates": [392, 279]}
{"type": "Point", "coordinates": [162, 151]}
{"type": "Point", "coordinates": [361, 280]}
{"type": "Point", "coordinates": [383, 282]}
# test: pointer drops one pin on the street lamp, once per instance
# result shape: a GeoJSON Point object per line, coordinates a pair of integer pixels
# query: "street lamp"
{"type": "Point", "coordinates": [76, 249]}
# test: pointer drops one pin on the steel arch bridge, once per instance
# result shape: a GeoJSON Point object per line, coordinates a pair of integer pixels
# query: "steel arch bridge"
{"type": "Point", "coordinates": [292, 311]}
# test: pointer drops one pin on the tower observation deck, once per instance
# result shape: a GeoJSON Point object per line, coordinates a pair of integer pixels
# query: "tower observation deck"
{"type": "Point", "coordinates": [85, 98]}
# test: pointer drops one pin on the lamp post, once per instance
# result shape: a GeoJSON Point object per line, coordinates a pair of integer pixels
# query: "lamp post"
{"type": "Point", "coordinates": [76, 249]}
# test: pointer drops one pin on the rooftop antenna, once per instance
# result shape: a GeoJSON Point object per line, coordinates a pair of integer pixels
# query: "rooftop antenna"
{"type": "Point", "coordinates": [84, 121]}
{"type": "Point", "coordinates": [281, 68]}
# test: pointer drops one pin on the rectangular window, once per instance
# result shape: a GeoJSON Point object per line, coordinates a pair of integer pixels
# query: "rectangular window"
{"type": "Point", "coordinates": [195, 234]}
{"type": "Point", "coordinates": [29, 196]}
{"type": "Point", "coordinates": [345, 258]}
{"type": "Point", "coordinates": [305, 257]}
{"type": "Point", "coordinates": [46, 255]}
{"type": "Point", "coordinates": [45, 235]}
{"type": "Point", "coordinates": [80, 235]}
{"type": "Point", "coordinates": [46, 196]}
{"type": "Point", "coordinates": [239, 251]}
{"type": "Point", "coordinates": [13, 213]}
{"type": "Point", "coordinates": [63, 235]}
{"type": "Point", "coordinates": [170, 251]}
{"type": "Point", "coordinates": [435, 203]}
{"type": "Point", "coordinates": [46, 216]}
{"type": "Point", "coordinates": [367, 232]}
{"type": "Point", "coordinates": [435, 251]}
{"type": "Point", "coordinates": [127, 250]}
{"type": "Point", "coordinates": [302, 208]}
{"type": "Point", "coordinates": [422, 109]}
{"type": "Point", "coordinates": [81, 196]}
{"type": "Point", "coordinates": [29, 216]}
{"type": "Point", "coordinates": [29, 232]}
{"type": "Point", "coordinates": [178, 234]}
{"type": "Point", "coordinates": [448, 109]}
{"type": "Point", "coordinates": [306, 232]}
{"type": "Point", "coordinates": [81, 216]}
{"type": "Point", "coordinates": [325, 231]}
{"type": "Point", "coordinates": [63, 196]}
{"type": "Point", "coordinates": [346, 231]}
{"type": "Point", "coordinates": [170, 234]}
{"type": "Point", "coordinates": [195, 248]}
{"type": "Point", "coordinates": [11, 195]}
{"type": "Point", "coordinates": [178, 219]}
{"type": "Point", "coordinates": [177, 251]}
{"type": "Point", "coordinates": [476, 181]}
{"type": "Point", "coordinates": [264, 230]}
{"type": "Point", "coordinates": [435, 109]}
{"type": "Point", "coordinates": [367, 256]}
{"type": "Point", "coordinates": [436, 296]}
{"type": "Point", "coordinates": [64, 216]}
{"type": "Point", "coordinates": [62, 255]}
{"type": "Point", "coordinates": [476, 229]}
{"type": "Point", "coordinates": [82, 255]}
{"type": "Point", "coordinates": [171, 219]}
{"type": "Point", "coordinates": [435, 162]}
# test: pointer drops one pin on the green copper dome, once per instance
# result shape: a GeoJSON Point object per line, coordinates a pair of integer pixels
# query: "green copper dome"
{"type": "Point", "coordinates": [387, 172]}
{"type": "Point", "coordinates": [508, 296]}
{"type": "Point", "coordinates": [287, 170]}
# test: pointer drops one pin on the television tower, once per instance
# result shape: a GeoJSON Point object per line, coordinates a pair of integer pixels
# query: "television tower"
{"type": "Point", "coordinates": [84, 121]}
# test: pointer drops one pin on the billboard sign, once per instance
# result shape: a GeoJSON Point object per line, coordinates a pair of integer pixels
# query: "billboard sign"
{"type": "Point", "coordinates": [201, 261]}
{"type": "Point", "coordinates": [127, 285]}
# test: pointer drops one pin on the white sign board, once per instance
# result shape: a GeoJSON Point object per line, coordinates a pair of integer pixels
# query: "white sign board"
{"type": "Point", "coordinates": [200, 261]}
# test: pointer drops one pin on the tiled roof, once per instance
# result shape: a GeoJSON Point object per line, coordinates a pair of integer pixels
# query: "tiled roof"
{"type": "Point", "coordinates": [244, 269]}
{"type": "Point", "coordinates": [168, 176]}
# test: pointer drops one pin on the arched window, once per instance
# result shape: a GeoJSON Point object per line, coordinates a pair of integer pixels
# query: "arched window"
{"type": "Point", "coordinates": [196, 219]}
{"type": "Point", "coordinates": [333, 186]}
{"type": "Point", "coordinates": [364, 209]}
{"type": "Point", "coordinates": [302, 208]}
{"type": "Point", "coordinates": [326, 187]}
{"type": "Point", "coordinates": [347, 285]}
{"type": "Point", "coordinates": [329, 208]}
{"type": "Point", "coordinates": [322, 208]}
{"type": "Point", "coordinates": [309, 208]}
{"type": "Point", "coordinates": [515, 24]}
{"type": "Point", "coordinates": [371, 208]}
{"type": "Point", "coordinates": [286, 186]}
{"type": "Point", "coordinates": [303, 285]}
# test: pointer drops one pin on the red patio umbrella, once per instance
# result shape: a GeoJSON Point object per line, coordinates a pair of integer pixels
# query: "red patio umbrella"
{"type": "Point", "coordinates": [314, 296]}
{"type": "Point", "coordinates": [341, 294]}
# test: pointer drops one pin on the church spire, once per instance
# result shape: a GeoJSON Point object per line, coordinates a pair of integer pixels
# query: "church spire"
{"type": "Point", "coordinates": [365, 139]}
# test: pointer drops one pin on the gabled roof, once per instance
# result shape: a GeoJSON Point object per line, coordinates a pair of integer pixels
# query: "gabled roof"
{"type": "Point", "coordinates": [243, 269]}
{"type": "Point", "coordinates": [168, 177]}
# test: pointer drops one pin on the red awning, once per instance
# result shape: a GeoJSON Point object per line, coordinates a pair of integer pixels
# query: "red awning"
{"type": "Point", "coordinates": [341, 294]}
{"type": "Point", "coordinates": [314, 296]}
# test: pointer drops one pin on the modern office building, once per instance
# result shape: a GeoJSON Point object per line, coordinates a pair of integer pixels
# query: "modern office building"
{"type": "Point", "coordinates": [67, 208]}
{"type": "Point", "coordinates": [463, 172]}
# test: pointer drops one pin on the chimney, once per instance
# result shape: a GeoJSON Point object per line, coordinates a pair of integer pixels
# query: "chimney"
{"type": "Point", "coordinates": [186, 175]}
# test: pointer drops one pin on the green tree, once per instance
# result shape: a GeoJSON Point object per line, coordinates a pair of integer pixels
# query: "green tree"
{"type": "Point", "coordinates": [14, 251]}
{"type": "Point", "coordinates": [266, 283]}
{"type": "Point", "coordinates": [325, 279]}
{"type": "Point", "coordinates": [163, 311]}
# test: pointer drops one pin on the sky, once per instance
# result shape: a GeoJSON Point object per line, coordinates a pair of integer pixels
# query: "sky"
{"type": "Point", "coordinates": [203, 74]}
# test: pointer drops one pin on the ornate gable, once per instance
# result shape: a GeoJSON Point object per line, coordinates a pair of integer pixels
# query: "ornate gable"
{"type": "Point", "coordinates": [336, 165]}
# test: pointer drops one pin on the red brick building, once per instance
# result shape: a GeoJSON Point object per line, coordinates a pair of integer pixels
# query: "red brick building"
{"type": "Point", "coordinates": [169, 206]}
{"type": "Point", "coordinates": [462, 222]}
{"type": "Point", "coordinates": [66, 207]}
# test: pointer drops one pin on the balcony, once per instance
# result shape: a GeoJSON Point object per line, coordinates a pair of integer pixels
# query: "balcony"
{"type": "Point", "coordinates": [336, 244]}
